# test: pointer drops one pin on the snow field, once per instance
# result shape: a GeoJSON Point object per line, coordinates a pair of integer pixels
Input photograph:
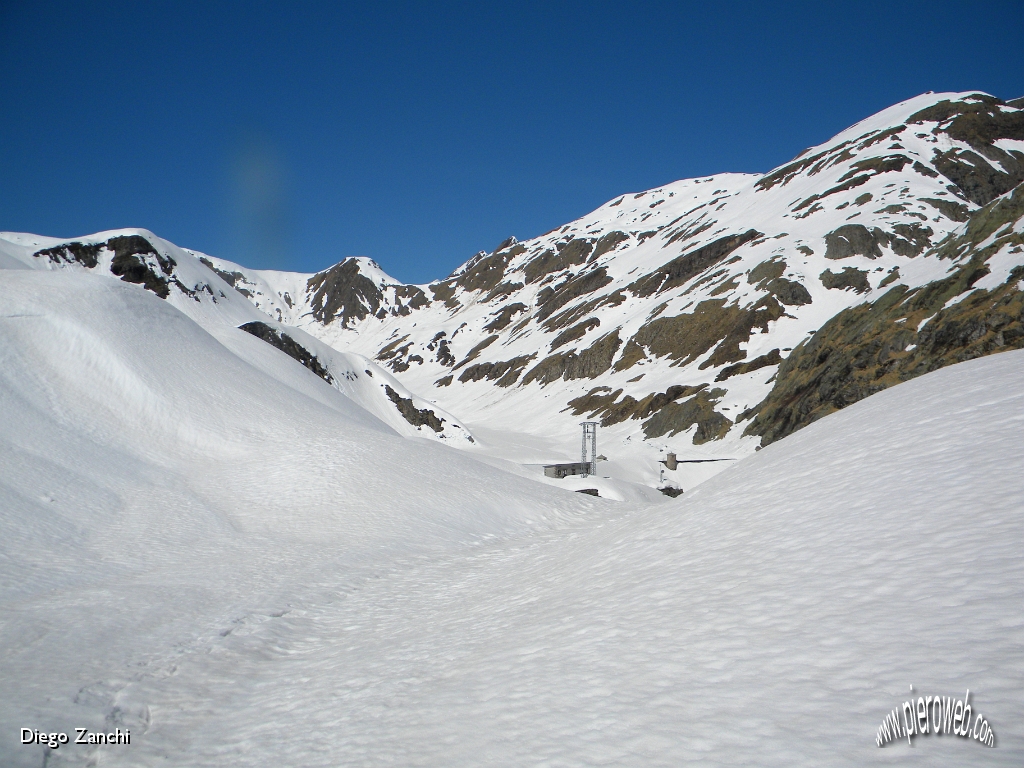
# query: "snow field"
{"type": "Point", "coordinates": [773, 617]}
{"type": "Point", "coordinates": [155, 487]}
{"type": "Point", "coordinates": [455, 615]}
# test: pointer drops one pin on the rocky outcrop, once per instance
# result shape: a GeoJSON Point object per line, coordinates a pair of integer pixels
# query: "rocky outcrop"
{"type": "Point", "coordinates": [850, 277]}
{"type": "Point", "coordinates": [343, 292]}
{"type": "Point", "coordinates": [289, 346]}
{"type": "Point", "coordinates": [418, 417]}
{"type": "Point", "coordinates": [689, 265]}
{"type": "Point", "coordinates": [134, 260]}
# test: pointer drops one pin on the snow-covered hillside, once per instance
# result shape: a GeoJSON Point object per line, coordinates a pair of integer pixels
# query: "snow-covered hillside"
{"type": "Point", "coordinates": [188, 282]}
{"type": "Point", "coordinates": [160, 487]}
{"type": "Point", "coordinates": [228, 557]}
{"type": "Point", "coordinates": [667, 314]}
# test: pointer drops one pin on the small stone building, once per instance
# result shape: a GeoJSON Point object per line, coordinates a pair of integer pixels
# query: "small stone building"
{"type": "Point", "coordinates": [562, 470]}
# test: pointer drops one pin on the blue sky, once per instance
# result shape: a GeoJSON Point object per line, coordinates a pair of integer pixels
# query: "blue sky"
{"type": "Point", "coordinates": [288, 136]}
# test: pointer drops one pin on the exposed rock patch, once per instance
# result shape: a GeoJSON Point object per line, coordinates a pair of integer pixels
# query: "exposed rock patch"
{"type": "Point", "coordinates": [73, 253]}
{"type": "Point", "coordinates": [549, 300]}
{"type": "Point", "coordinates": [850, 277]}
{"type": "Point", "coordinates": [588, 364]}
{"type": "Point", "coordinates": [504, 373]}
{"type": "Point", "coordinates": [474, 353]}
{"type": "Point", "coordinates": [771, 358]}
{"type": "Point", "coordinates": [576, 332]}
{"type": "Point", "coordinates": [688, 336]}
{"type": "Point", "coordinates": [602, 402]}
{"type": "Point", "coordinates": [342, 291]}
{"type": "Point", "coordinates": [503, 317]}
{"type": "Point", "coordinates": [979, 122]}
{"type": "Point", "coordinates": [231, 278]}
{"type": "Point", "coordinates": [682, 268]}
{"type": "Point", "coordinates": [608, 242]}
{"type": "Point", "coordinates": [789, 292]}
{"type": "Point", "coordinates": [566, 254]}
{"type": "Point", "coordinates": [418, 417]}
{"type": "Point", "coordinates": [289, 346]}
{"type": "Point", "coordinates": [857, 240]}
{"type": "Point", "coordinates": [698, 411]}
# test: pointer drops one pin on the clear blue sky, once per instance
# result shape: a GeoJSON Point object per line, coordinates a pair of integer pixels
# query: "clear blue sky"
{"type": "Point", "coordinates": [289, 136]}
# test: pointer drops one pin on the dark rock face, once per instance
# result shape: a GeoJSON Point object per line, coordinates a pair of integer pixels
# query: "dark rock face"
{"type": "Point", "coordinates": [289, 346]}
{"type": "Point", "coordinates": [601, 401]}
{"type": "Point", "coordinates": [578, 331]}
{"type": "Point", "coordinates": [342, 291]}
{"type": "Point", "coordinates": [789, 292]}
{"type": "Point", "coordinates": [857, 240]}
{"type": "Point", "coordinates": [588, 491]}
{"type": "Point", "coordinates": [589, 363]}
{"type": "Point", "coordinates": [772, 358]}
{"type": "Point", "coordinates": [445, 292]}
{"type": "Point", "coordinates": [132, 257]}
{"type": "Point", "coordinates": [474, 353]}
{"type": "Point", "coordinates": [772, 269]}
{"type": "Point", "coordinates": [418, 417]}
{"type": "Point", "coordinates": [130, 267]}
{"type": "Point", "coordinates": [949, 208]}
{"type": "Point", "coordinates": [231, 278]}
{"type": "Point", "coordinates": [485, 271]}
{"type": "Point", "coordinates": [663, 413]}
{"type": "Point", "coordinates": [682, 268]}
{"type": "Point", "coordinates": [860, 173]}
{"type": "Point", "coordinates": [850, 277]}
{"type": "Point", "coordinates": [505, 373]}
{"type": "Point", "coordinates": [571, 315]}
{"type": "Point", "coordinates": [979, 181]}
{"type": "Point", "coordinates": [503, 317]}
{"type": "Point", "coordinates": [444, 354]}
{"type": "Point", "coordinates": [699, 410]}
{"type": "Point", "coordinates": [567, 254]}
{"type": "Point", "coordinates": [73, 253]}
{"type": "Point", "coordinates": [978, 123]}
{"type": "Point", "coordinates": [408, 298]}
{"type": "Point", "coordinates": [608, 243]}
{"type": "Point", "coordinates": [837, 154]}
{"type": "Point", "coordinates": [552, 299]}
{"type": "Point", "coordinates": [713, 322]}
{"type": "Point", "coordinates": [853, 240]}
{"type": "Point", "coordinates": [672, 492]}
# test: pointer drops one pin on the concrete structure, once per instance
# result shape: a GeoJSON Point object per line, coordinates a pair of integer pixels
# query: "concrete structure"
{"type": "Point", "coordinates": [670, 461]}
{"type": "Point", "coordinates": [563, 470]}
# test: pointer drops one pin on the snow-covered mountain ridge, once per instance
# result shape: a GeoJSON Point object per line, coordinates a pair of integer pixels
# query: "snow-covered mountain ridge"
{"type": "Point", "coordinates": [708, 316]}
{"type": "Point", "coordinates": [687, 316]}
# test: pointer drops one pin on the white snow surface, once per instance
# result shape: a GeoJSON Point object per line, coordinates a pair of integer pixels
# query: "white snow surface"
{"type": "Point", "coordinates": [242, 566]}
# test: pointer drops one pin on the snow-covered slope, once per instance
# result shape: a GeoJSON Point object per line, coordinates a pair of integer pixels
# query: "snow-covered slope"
{"type": "Point", "coordinates": [240, 571]}
{"type": "Point", "coordinates": [666, 314]}
{"type": "Point", "coordinates": [773, 618]}
{"type": "Point", "coordinates": [156, 485]}
{"type": "Point", "coordinates": [188, 281]}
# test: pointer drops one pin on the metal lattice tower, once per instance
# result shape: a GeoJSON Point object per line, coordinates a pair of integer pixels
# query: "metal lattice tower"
{"type": "Point", "coordinates": [589, 447]}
